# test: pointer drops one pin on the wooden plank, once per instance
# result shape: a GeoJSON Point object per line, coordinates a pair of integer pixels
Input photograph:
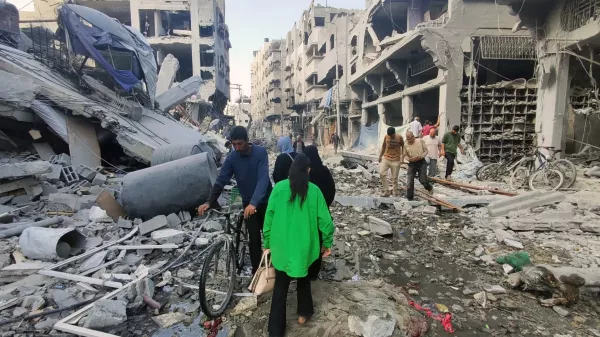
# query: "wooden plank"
{"type": "Point", "coordinates": [108, 203]}
{"type": "Point", "coordinates": [80, 278]}
{"type": "Point", "coordinates": [473, 187]}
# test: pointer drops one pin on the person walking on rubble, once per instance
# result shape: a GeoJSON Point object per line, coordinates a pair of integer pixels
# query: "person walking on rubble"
{"type": "Point", "coordinates": [434, 147]}
{"type": "Point", "coordinates": [335, 139]}
{"type": "Point", "coordinates": [322, 178]}
{"type": "Point", "coordinates": [296, 213]}
{"type": "Point", "coordinates": [299, 145]}
{"type": "Point", "coordinates": [450, 143]}
{"type": "Point", "coordinates": [415, 152]}
{"type": "Point", "coordinates": [390, 158]}
{"type": "Point", "coordinates": [250, 165]}
{"type": "Point", "coordinates": [416, 127]}
{"type": "Point", "coordinates": [284, 161]}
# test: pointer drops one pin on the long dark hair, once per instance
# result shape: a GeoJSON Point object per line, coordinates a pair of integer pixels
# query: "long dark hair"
{"type": "Point", "coordinates": [299, 178]}
{"type": "Point", "coordinates": [312, 152]}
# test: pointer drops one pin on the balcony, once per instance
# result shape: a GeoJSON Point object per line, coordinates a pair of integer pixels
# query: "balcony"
{"type": "Point", "coordinates": [311, 69]}
{"type": "Point", "coordinates": [327, 64]}
{"type": "Point", "coordinates": [315, 93]}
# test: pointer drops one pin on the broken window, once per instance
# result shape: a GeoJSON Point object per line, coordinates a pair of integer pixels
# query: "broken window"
{"type": "Point", "coordinates": [319, 21]}
{"type": "Point", "coordinates": [353, 69]}
{"type": "Point", "coordinates": [206, 75]}
{"type": "Point", "coordinates": [207, 57]}
{"type": "Point", "coordinates": [207, 31]}
{"type": "Point", "coordinates": [332, 42]}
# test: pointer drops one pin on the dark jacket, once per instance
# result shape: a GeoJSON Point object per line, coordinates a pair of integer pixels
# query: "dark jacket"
{"type": "Point", "coordinates": [283, 163]}
{"type": "Point", "coordinates": [320, 175]}
{"type": "Point", "coordinates": [303, 146]}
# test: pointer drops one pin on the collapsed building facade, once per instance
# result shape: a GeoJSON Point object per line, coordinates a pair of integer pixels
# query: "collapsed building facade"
{"type": "Point", "coordinates": [566, 35]}
{"type": "Point", "coordinates": [194, 32]}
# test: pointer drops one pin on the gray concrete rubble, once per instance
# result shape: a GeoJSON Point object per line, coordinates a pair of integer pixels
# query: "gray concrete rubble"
{"type": "Point", "coordinates": [179, 93]}
{"type": "Point", "coordinates": [20, 170]}
{"type": "Point", "coordinates": [167, 74]}
{"type": "Point", "coordinates": [105, 314]}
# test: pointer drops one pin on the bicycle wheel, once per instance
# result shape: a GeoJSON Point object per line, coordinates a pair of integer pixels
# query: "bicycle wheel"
{"type": "Point", "coordinates": [488, 172]}
{"type": "Point", "coordinates": [519, 178]}
{"type": "Point", "coordinates": [568, 169]}
{"type": "Point", "coordinates": [217, 279]}
{"type": "Point", "coordinates": [548, 179]}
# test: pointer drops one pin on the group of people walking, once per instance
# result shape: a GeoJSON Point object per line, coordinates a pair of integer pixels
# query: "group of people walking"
{"type": "Point", "coordinates": [297, 228]}
{"type": "Point", "coordinates": [293, 216]}
{"type": "Point", "coordinates": [422, 149]}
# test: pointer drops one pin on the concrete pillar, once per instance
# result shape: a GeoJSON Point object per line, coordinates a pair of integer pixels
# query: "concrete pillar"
{"type": "Point", "coordinates": [157, 23]}
{"type": "Point", "coordinates": [552, 103]}
{"type": "Point", "coordinates": [195, 25]}
{"type": "Point", "coordinates": [160, 56]}
{"type": "Point", "coordinates": [407, 109]}
{"type": "Point", "coordinates": [444, 122]}
{"type": "Point", "coordinates": [382, 124]}
{"type": "Point", "coordinates": [415, 15]}
{"type": "Point", "coordinates": [196, 59]}
{"type": "Point", "coordinates": [135, 14]}
{"type": "Point", "coordinates": [365, 113]}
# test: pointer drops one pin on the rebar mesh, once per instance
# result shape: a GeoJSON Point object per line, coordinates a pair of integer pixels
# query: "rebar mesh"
{"type": "Point", "coordinates": [508, 47]}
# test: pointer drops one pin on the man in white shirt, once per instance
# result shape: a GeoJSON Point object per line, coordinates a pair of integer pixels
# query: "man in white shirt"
{"type": "Point", "coordinates": [416, 127]}
{"type": "Point", "coordinates": [434, 147]}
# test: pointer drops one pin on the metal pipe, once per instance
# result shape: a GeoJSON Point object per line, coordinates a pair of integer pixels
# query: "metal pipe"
{"type": "Point", "coordinates": [44, 223]}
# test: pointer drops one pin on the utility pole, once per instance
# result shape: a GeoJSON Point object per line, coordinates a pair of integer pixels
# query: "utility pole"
{"type": "Point", "coordinates": [337, 79]}
{"type": "Point", "coordinates": [238, 87]}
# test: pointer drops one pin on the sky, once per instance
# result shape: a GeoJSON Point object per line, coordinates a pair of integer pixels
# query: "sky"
{"type": "Point", "coordinates": [251, 21]}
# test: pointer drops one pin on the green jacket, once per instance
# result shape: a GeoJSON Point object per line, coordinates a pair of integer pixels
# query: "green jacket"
{"type": "Point", "coordinates": [292, 233]}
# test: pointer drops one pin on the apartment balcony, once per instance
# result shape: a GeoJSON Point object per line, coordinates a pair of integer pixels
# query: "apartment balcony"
{"type": "Point", "coordinates": [275, 85]}
{"type": "Point", "coordinates": [311, 69]}
{"type": "Point", "coordinates": [287, 85]}
{"type": "Point", "coordinates": [315, 93]}
{"type": "Point", "coordinates": [326, 64]}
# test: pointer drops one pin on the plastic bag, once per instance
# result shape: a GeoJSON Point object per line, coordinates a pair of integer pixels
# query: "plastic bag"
{"type": "Point", "coordinates": [517, 260]}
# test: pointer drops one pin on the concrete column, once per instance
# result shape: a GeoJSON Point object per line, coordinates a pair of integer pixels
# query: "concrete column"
{"type": "Point", "coordinates": [157, 23]}
{"type": "Point", "coordinates": [444, 122]}
{"type": "Point", "coordinates": [195, 21]}
{"type": "Point", "coordinates": [415, 15]}
{"type": "Point", "coordinates": [160, 56]}
{"type": "Point", "coordinates": [382, 123]}
{"type": "Point", "coordinates": [365, 113]}
{"type": "Point", "coordinates": [135, 14]}
{"type": "Point", "coordinates": [552, 103]}
{"type": "Point", "coordinates": [407, 109]}
{"type": "Point", "coordinates": [196, 59]}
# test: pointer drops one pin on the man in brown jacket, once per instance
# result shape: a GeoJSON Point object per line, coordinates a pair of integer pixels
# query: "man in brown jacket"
{"type": "Point", "coordinates": [391, 152]}
{"type": "Point", "coordinates": [415, 152]}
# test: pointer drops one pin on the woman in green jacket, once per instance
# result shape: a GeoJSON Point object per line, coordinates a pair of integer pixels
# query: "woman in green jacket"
{"type": "Point", "coordinates": [297, 211]}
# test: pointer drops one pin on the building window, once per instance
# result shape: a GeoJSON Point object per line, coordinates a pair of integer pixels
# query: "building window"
{"type": "Point", "coordinates": [331, 42]}
{"type": "Point", "coordinates": [319, 21]}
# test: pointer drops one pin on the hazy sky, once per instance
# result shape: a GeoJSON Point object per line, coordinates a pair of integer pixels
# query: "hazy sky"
{"type": "Point", "coordinates": [251, 21]}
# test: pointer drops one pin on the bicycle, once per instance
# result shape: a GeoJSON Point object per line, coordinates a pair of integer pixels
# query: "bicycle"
{"type": "Point", "coordinates": [539, 168]}
{"type": "Point", "coordinates": [223, 262]}
{"type": "Point", "coordinates": [495, 171]}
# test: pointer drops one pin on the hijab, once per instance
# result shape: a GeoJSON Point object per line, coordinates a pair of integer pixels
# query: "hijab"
{"type": "Point", "coordinates": [312, 153]}
{"type": "Point", "coordinates": [284, 145]}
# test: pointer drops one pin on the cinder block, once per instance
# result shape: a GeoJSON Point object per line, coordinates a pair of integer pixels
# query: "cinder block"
{"type": "Point", "coordinates": [62, 159]}
{"type": "Point", "coordinates": [86, 172]}
{"type": "Point", "coordinates": [524, 201]}
{"type": "Point", "coordinates": [54, 175]}
{"type": "Point", "coordinates": [153, 224]}
{"type": "Point", "coordinates": [99, 179]}
{"type": "Point", "coordinates": [68, 175]}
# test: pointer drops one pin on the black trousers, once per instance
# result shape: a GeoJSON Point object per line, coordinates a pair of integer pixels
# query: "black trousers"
{"type": "Point", "coordinates": [315, 267]}
{"type": "Point", "coordinates": [255, 225]}
{"type": "Point", "coordinates": [414, 168]}
{"type": "Point", "coordinates": [450, 167]}
{"type": "Point", "coordinates": [277, 317]}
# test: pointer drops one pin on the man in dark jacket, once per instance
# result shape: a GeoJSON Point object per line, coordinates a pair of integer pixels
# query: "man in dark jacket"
{"type": "Point", "coordinates": [299, 145]}
{"type": "Point", "coordinates": [250, 166]}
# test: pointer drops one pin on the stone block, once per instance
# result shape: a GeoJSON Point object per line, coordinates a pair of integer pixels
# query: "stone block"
{"type": "Point", "coordinates": [164, 236]}
{"type": "Point", "coordinates": [380, 227]}
{"type": "Point", "coordinates": [524, 201]}
{"type": "Point", "coordinates": [173, 220]}
{"type": "Point", "coordinates": [86, 172]}
{"type": "Point", "coordinates": [122, 223]}
{"type": "Point", "coordinates": [62, 159]}
{"type": "Point", "coordinates": [53, 175]}
{"type": "Point", "coordinates": [99, 179]}
{"type": "Point", "coordinates": [153, 224]}
{"type": "Point", "coordinates": [26, 169]}
{"type": "Point", "coordinates": [106, 313]}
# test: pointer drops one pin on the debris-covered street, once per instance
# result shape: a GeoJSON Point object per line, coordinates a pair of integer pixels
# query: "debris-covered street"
{"type": "Point", "coordinates": [460, 175]}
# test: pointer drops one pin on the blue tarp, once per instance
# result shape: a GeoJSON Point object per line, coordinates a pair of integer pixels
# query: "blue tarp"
{"type": "Point", "coordinates": [367, 137]}
{"type": "Point", "coordinates": [102, 33]}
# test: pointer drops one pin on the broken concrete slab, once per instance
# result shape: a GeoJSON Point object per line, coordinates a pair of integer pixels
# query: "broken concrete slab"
{"type": "Point", "coordinates": [353, 201]}
{"type": "Point", "coordinates": [513, 243]}
{"type": "Point", "coordinates": [83, 142]}
{"type": "Point", "coordinates": [164, 236]}
{"type": "Point", "coordinates": [17, 185]}
{"type": "Point", "coordinates": [122, 223]}
{"type": "Point", "coordinates": [54, 175]}
{"type": "Point", "coordinates": [153, 224]}
{"type": "Point", "coordinates": [33, 303]}
{"type": "Point", "coordinates": [62, 159]}
{"type": "Point", "coordinates": [380, 227]}
{"type": "Point", "coordinates": [167, 74]}
{"type": "Point", "coordinates": [93, 261]}
{"type": "Point", "coordinates": [524, 201]}
{"type": "Point", "coordinates": [179, 93]}
{"type": "Point", "coordinates": [44, 150]}
{"type": "Point", "coordinates": [106, 313]}
{"type": "Point", "coordinates": [73, 201]}
{"type": "Point", "coordinates": [244, 305]}
{"type": "Point", "coordinates": [170, 319]}
{"type": "Point", "coordinates": [62, 298]}
{"type": "Point", "coordinates": [27, 169]}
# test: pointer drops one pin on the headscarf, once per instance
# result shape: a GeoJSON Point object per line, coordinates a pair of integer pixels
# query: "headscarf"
{"type": "Point", "coordinates": [312, 153]}
{"type": "Point", "coordinates": [284, 145]}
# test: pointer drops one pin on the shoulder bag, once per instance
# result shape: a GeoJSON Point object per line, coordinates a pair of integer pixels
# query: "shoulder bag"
{"type": "Point", "coordinates": [264, 278]}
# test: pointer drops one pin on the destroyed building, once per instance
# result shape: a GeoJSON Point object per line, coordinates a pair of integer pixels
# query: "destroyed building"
{"type": "Point", "coordinates": [455, 60]}
{"type": "Point", "coordinates": [567, 68]}
{"type": "Point", "coordinates": [241, 111]}
{"type": "Point", "coordinates": [194, 32]}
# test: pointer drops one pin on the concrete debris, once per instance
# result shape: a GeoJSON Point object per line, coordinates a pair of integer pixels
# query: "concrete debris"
{"type": "Point", "coordinates": [93, 261]}
{"type": "Point", "coordinates": [244, 305]}
{"type": "Point", "coordinates": [179, 93]}
{"type": "Point", "coordinates": [99, 179]}
{"type": "Point", "coordinates": [167, 74]}
{"type": "Point", "coordinates": [126, 224]}
{"type": "Point", "coordinates": [494, 289]}
{"type": "Point", "coordinates": [86, 172]}
{"type": "Point", "coordinates": [165, 236]}
{"type": "Point", "coordinates": [380, 227]}
{"type": "Point", "coordinates": [173, 220]}
{"type": "Point", "coordinates": [61, 159]}
{"type": "Point", "coordinates": [153, 224]}
{"type": "Point", "coordinates": [513, 243]}
{"type": "Point", "coordinates": [170, 319]}
{"type": "Point", "coordinates": [105, 314]}
{"type": "Point", "coordinates": [524, 201]}
{"type": "Point", "coordinates": [21, 170]}
{"type": "Point", "coordinates": [561, 311]}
